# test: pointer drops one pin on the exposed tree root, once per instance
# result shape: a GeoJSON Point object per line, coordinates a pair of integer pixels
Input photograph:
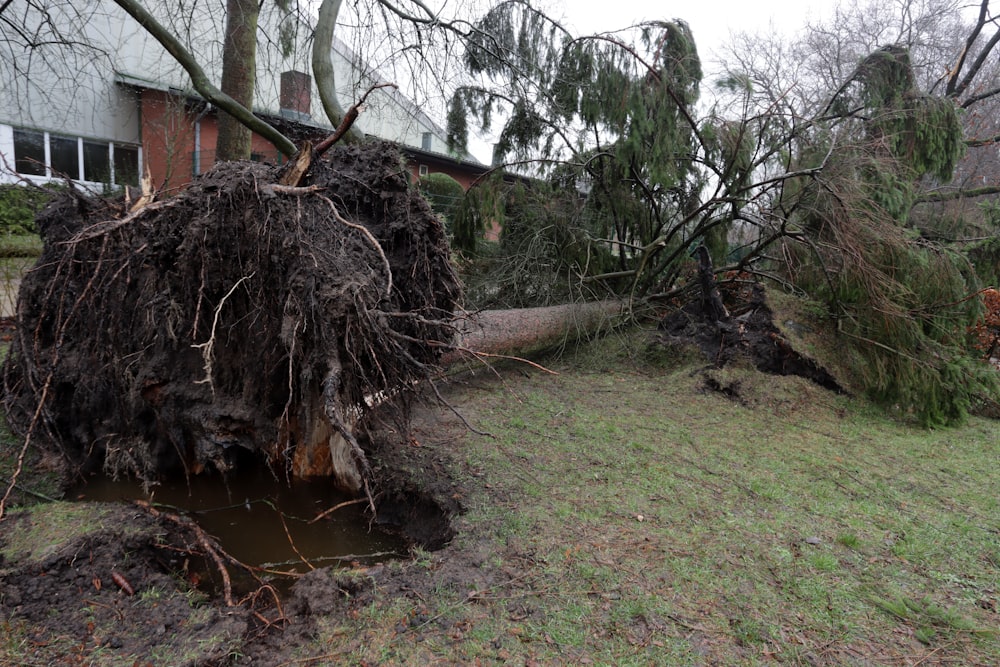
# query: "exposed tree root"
{"type": "Point", "coordinates": [245, 316]}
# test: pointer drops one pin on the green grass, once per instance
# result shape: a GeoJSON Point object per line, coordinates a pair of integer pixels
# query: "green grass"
{"type": "Point", "coordinates": [20, 246]}
{"type": "Point", "coordinates": [50, 528]}
{"type": "Point", "coordinates": [621, 513]}
{"type": "Point", "coordinates": [35, 482]}
{"type": "Point", "coordinates": [788, 525]}
{"type": "Point", "coordinates": [17, 255]}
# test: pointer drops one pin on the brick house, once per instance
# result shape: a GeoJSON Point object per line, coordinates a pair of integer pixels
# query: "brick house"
{"type": "Point", "coordinates": [108, 119]}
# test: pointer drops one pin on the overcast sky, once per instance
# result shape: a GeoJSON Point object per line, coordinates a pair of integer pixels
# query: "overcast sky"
{"type": "Point", "coordinates": [711, 21]}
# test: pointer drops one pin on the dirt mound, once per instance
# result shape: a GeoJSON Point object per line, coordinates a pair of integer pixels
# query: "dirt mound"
{"type": "Point", "coordinates": [745, 332]}
{"type": "Point", "coordinates": [239, 317]}
{"type": "Point", "coordinates": [82, 582]}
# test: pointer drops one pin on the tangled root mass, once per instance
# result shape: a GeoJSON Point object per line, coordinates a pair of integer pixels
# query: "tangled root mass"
{"type": "Point", "coordinates": [237, 317]}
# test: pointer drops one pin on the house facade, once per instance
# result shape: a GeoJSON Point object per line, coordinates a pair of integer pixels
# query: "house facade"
{"type": "Point", "coordinates": [116, 105]}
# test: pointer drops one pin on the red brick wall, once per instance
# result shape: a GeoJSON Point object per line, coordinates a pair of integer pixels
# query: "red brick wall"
{"type": "Point", "coordinates": [167, 139]}
{"type": "Point", "coordinates": [168, 143]}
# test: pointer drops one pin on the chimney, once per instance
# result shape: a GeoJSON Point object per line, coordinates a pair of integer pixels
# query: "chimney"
{"type": "Point", "coordinates": [296, 90]}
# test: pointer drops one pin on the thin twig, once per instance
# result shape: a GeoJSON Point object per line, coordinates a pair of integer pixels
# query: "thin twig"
{"type": "Point", "coordinates": [327, 512]}
{"type": "Point", "coordinates": [27, 443]}
{"type": "Point", "coordinates": [206, 347]}
{"type": "Point", "coordinates": [488, 355]}
{"type": "Point", "coordinates": [100, 228]}
{"type": "Point", "coordinates": [371, 238]}
{"type": "Point", "coordinates": [458, 414]}
{"type": "Point", "coordinates": [291, 542]}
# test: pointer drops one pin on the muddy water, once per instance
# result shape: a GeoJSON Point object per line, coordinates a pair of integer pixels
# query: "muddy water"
{"type": "Point", "coordinates": [246, 514]}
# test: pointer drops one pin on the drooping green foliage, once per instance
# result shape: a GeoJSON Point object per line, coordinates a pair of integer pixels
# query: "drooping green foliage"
{"type": "Point", "coordinates": [458, 129]}
{"type": "Point", "coordinates": [902, 303]}
{"type": "Point", "coordinates": [481, 206]}
{"type": "Point", "coordinates": [818, 202]}
{"type": "Point", "coordinates": [445, 195]}
{"type": "Point", "coordinates": [544, 247]}
{"type": "Point", "coordinates": [609, 118]}
{"type": "Point", "coordinates": [910, 134]}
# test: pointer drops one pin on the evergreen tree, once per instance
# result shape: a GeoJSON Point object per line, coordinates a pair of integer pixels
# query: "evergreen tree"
{"type": "Point", "coordinates": [901, 303]}
{"type": "Point", "coordinates": [611, 117]}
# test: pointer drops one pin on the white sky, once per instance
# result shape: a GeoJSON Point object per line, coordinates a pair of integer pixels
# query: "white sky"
{"type": "Point", "coordinates": [711, 22]}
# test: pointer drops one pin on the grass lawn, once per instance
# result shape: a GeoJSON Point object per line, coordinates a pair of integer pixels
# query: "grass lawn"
{"type": "Point", "coordinates": [17, 255]}
{"type": "Point", "coordinates": [20, 245]}
{"type": "Point", "coordinates": [623, 514]}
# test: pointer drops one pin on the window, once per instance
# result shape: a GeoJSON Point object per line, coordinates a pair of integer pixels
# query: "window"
{"type": "Point", "coordinates": [29, 152]}
{"type": "Point", "coordinates": [422, 170]}
{"type": "Point", "coordinates": [96, 162]}
{"type": "Point", "coordinates": [425, 141]}
{"type": "Point", "coordinates": [65, 156]}
{"type": "Point", "coordinates": [126, 165]}
{"type": "Point", "coordinates": [45, 154]}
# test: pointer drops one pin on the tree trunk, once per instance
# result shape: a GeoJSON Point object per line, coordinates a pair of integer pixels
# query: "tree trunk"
{"type": "Point", "coordinates": [524, 331]}
{"type": "Point", "coordinates": [239, 55]}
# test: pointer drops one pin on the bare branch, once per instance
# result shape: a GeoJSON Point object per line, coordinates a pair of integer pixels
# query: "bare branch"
{"type": "Point", "coordinates": [346, 125]}
{"type": "Point", "coordinates": [322, 66]}
{"type": "Point", "coordinates": [958, 194]}
{"type": "Point", "coordinates": [956, 87]}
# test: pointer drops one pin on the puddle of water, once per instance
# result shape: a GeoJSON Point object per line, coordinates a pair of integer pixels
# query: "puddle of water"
{"type": "Point", "coordinates": [245, 515]}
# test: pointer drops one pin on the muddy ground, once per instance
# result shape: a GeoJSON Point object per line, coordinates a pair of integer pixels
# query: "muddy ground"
{"type": "Point", "coordinates": [120, 584]}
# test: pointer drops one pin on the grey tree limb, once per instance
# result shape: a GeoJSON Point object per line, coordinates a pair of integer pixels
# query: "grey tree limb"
{"type": "Point", "coordinates": [322, 65]}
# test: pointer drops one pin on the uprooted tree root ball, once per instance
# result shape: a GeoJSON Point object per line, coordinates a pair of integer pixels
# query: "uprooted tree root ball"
{"type": "Point", "coordinates": [238, 316]}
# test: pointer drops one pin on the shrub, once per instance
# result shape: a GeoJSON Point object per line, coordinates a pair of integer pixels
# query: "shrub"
{"type": "Point", "coordinates": [19, 205]}
{"type": "Point", "coordinates": [443, 192]}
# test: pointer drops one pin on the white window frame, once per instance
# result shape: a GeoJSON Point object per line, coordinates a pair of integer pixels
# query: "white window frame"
{"type": "Point", "coordinates": [7, 150]}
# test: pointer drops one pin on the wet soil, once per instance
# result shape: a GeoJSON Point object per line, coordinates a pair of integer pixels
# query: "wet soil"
{"type": "Point", "coordinates": [265, 521]}
{"type": "Point", "coordinates": [123, 586]}
{"type": "Point", "coordinates": [747, 334]}
{"type": "Point", "coordinates": [113, 583]}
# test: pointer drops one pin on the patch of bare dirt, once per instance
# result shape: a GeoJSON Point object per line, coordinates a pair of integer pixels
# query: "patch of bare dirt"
{"type": "Point", "coordinates": [746, 333]}
{"type": "Point", "coordinates": [107, 580]}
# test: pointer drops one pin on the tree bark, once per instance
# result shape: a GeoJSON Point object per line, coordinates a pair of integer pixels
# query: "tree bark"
{"type": "Point", "coordinates": [239, 57]}
{"type": "Point", "coordinates": [711, 299]}
{"type": "Point", "coordinates": [322, 64]}
{"type": "Point", "coordinates": [524, 331]}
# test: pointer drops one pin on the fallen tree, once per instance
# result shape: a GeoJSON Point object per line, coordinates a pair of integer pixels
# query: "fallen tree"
{"type": "Point", "coordinates": [242, 317]}
{"type": "Point", "coordinates": [258, 315]}
{"type": "Point", "coordinates": [525, 331]}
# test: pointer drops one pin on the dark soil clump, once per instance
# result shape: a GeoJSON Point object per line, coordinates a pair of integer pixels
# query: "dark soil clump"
{"type": "Point", "coordinates": [746, 332]}
{"type": "Point", "coordinates": [82, 581]}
